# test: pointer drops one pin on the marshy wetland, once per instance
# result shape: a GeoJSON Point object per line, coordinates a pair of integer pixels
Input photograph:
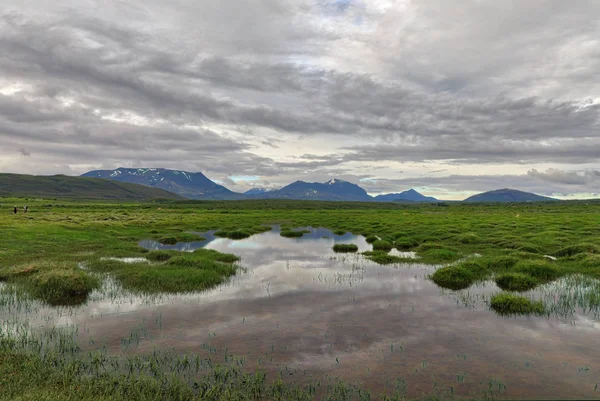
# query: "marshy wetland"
{"type": "Point", "coordinates": [300, 300]}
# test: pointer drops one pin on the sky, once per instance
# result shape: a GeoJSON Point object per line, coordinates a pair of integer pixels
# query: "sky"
{"type": "Point", "coordinates": [451, 98]}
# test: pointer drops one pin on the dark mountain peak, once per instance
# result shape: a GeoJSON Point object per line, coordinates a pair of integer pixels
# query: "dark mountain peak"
{"type": "Point", "coordinates": [410, 195]}
{"type": "Point", "coordinates": [184, 183]}
{"type": "Point", "coordinates": [508, 195]}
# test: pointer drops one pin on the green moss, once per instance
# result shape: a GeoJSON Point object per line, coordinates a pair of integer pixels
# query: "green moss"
{"type": "Point", "coordinates": [516, 282]}
{"type": "Point", "coordinates": [345, 248]}
{"type": "Point", "coordinates": [340, 232]}
{"type": "Point", "coordinates": [382, 245]}
{"type": "Point", "coordinates": [510, 304]}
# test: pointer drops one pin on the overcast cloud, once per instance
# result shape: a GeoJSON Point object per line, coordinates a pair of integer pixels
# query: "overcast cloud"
{"type": "Point", "coordinates": [448, 97]}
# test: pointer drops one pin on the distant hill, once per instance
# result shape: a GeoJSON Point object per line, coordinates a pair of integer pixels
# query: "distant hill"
{"type": "Point", "coordinates": [332, 190]}
{"type": "Point", "coordinates": [186, 184]}
{"type": "Point", "coordinates": [411, 196]}
{"type": "Point", "coordinates": [507, 195]}
{"type": "Point", "coordinates": [61, 186]}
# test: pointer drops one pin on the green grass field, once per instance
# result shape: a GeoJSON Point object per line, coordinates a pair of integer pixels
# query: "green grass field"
{"type": "Point", "coordinates": [42, 252]}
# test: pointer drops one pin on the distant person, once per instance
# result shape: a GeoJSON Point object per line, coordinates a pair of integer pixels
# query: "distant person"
{"type": "Point", "coordinates": [16, 210]}
{"type": "Point", "coordinates": [25, 209]}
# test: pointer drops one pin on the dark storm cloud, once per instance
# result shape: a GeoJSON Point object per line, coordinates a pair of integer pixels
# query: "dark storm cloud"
{"type": "Point", "coordinates": [208, 86]}
{"type": "Point", "coordinates": [587, 177]}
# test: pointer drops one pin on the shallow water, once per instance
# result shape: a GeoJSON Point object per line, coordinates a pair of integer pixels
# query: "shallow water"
{"type": "Point", "coordinates": [300, 308]}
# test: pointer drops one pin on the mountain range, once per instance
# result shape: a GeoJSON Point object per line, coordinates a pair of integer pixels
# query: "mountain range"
{"type": "Point", "coordinates": [183, 183]}
{"type": "Point", "coordinates": [198, 186]}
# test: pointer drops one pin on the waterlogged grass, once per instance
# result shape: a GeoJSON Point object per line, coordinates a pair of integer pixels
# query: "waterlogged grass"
{"type": "Point", "coordinates": [341, 248]}
{"type": "Point", "coordinates": [52, 366]}
{"type": "Point", "coordinates": [170, 271]}
{"type": "Point", "coordinates": [508, 304]}
{"type": "Point", "coordinates": [56, 283]}
{"type": "Point", "coordinates": [384, 258]}
{"type": "Point", "coordinates": [56, 236]}
{"type": "Point", "coordinates": [293, 233]}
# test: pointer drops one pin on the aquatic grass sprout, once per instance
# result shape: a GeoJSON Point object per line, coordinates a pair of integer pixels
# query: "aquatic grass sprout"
{"type": "Point", "coordinates": [508, 304]}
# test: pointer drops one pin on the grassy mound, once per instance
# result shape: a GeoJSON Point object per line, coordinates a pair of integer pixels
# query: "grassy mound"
{"type": "Point", "coordinates": [500, 263]}
{"type": "Point", "coordinates": [382, 245]}
{"type": "Point", "coordinates": [159, 256]}
{"type": "Point", "coordinates": [453, 277]}
{"type": "Point", "coordinates": [371, 238]}
{"type": "Point", "coordinates": [439, 255]}
{"type": "Point", "coordinates": [539, 269]}
{"type": "Point", "coordinates": [56, 283]}
{"type": "Point", "coordinates": [340, 232]}
{"type": "Point", "coordinates": [577, 249]}
{"type": "Point", "coordinates": [509, 304]}
{"type": "Point", "coordinates": [516, 282]}
{"type": "Point", "coordinates": [168, 240]}
{"type": "Point", "coordinates": [345, 248]}
{"type": "Point", "coordinates": [405, 244]}
{"type": "Point", "coordinates": [293, 234]}
{"type": "Point", "coordinates": [236, 235]}
{"type": "Point", "coordinates": [468, 238]}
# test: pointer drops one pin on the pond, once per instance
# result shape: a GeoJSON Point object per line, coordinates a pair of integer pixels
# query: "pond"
{"type": "Point", "coordinates": [297, 307]}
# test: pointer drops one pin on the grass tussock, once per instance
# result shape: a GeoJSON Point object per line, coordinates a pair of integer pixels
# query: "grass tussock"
{"type": "Point", "coordinates": [341, 248]}
{"type": "Point", "coordinates": [453, 277]}
{"type": "Point", "coordinates": [510, 304]}
{"type": "Point", "coordinates": [292, 233]}
{"type": "Point", "coordinates": [235, 235]}
{"type": "Point", "coordinates": [542, 270]}
{"type": "Point", "coordinates": [371, 238]}
{"type": "Point", "coordinates": [56, 283]}
{"type": "Point", "coordinates": [516, 282]}
{"type": "Point", "coordinates": [382, 245]}
{"type": "Point", "coordinates": [572, 250]}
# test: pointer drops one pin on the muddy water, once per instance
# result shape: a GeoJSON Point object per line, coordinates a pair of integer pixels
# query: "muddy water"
{"type": "Point", "coordinates": [299, 308]}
